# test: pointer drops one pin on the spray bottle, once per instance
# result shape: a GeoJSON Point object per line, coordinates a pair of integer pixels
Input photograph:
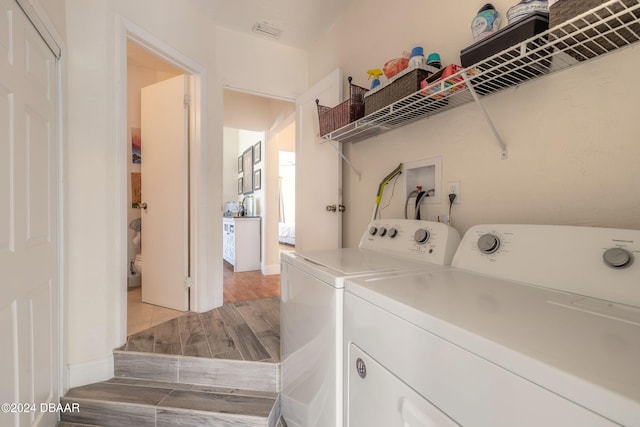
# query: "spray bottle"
{"type": "Point", "coordinates": [375, 73]}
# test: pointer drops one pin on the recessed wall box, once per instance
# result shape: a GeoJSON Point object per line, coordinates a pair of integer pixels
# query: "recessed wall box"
{"type": "Point", "coordinates": [427, 174]}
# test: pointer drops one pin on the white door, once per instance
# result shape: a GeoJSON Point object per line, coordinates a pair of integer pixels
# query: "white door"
{"type": "Point", "coordinates": [164, 170]}
{"type": "Point", "coordinates": [318, 171]}
{"type": "Point", "coordinates": [29, 250]}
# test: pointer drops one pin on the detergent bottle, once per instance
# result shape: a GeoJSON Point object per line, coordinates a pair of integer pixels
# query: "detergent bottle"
{"type": "Point", "coordinates": [486, 22]}
{"type": "Point", "coordinates": [374, 74]}
{"type": "Point", "coordinates": [417, 59]}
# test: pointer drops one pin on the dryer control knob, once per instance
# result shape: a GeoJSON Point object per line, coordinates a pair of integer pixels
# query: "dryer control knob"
{"type": "Point", "coordinates": [393, 232]}
{"type": "Point", "coordinates": [383, 231]}
{"type": "Point", "coordinates": [421, 236]}
{"type": "Point", "coordinates": [488, 243]}
{"type": "Point", "coordinates": [617, 258]}
{"type": "Point", "coordinates": [373, 230]}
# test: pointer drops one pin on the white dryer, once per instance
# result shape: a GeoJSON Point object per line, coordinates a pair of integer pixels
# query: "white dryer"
{"type": "Point", "coordinates": [531, 326]}
{"type": "Point", "coordinates": [311, 309]}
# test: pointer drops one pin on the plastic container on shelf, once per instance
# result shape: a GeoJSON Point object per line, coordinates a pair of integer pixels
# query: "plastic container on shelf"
{"type": "Point", "coordinates": [486, 22]}
{"type": "Point", "coordinates": [526, 7]}
{"type": "Point", "coordinates": [508, 36]}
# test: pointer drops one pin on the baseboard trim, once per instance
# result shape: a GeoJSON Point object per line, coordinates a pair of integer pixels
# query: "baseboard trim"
{"type": "Point", "coordinates": [90, 372]}
{"type": "Point", "coordinates": [271, 269]}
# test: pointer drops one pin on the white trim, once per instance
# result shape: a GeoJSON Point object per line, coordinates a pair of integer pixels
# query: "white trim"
{"type": "Point", "coordinates": [91, 372]}
{"type": "Point", "coordinates": [63, 384]}
{"type": "Point", "coordinates": [43, 25]}
{"type": "Point", "coordinates": [257, 93]}
{"type": "Point", "coordinates": [127, 30]}
{"type": "Point", "coordinates": [271, 269]}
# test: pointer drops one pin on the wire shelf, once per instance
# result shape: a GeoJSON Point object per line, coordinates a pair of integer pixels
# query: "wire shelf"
{"type": "Point", "coordinates": [613, 25]}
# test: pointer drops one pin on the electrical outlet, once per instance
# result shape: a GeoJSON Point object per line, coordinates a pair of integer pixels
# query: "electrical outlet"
{"type": "Point", "coordinates": [454, 188]}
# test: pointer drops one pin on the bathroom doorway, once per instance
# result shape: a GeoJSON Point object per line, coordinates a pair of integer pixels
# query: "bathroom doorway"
{"type": "Point", "coordinates": [144, 70]}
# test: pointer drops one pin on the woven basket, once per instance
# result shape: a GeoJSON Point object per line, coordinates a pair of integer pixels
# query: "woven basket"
{"type": "Point", "coordinates": [403, 86]}
{"type": "Point", "coordinates": [332, 118]}
{"type": "Point", "coordinates": [564, 10]}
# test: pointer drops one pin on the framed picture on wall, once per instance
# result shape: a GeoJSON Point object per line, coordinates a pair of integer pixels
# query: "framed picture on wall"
{"type": "Point", "coordinates": [240, 164]}
{"type": "Point", "coordinates": [136, 146]}
{"type": "Point", "coordinates": [257, 179]}
{"type": "Point", "coordinates": [239, 185]}
{"type": "Point", "coordinates": [247, 171]}
{"type": "Point", "coordinates": [257, 152]}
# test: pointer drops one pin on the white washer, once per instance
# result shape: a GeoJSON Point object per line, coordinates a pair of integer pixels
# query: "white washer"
{"type": "Point", "coordinates": [531, 326]}
{"type": "Point", "coordinates": [312, 294]}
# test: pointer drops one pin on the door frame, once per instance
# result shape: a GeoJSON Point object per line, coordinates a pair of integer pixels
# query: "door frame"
{"type": "Point", "coordinates": [127, 30]}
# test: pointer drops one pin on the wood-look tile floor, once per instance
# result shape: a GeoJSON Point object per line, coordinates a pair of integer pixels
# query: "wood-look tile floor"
{"type": "Point", "coordinates": [246, 330]}
{"type": "Point", "coordinates": [243, 286]}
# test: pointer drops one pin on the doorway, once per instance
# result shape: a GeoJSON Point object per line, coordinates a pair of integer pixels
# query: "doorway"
{"type": "Point", "coordinates": [145, 70]}
{"type": "Point", "coordinates": [257, 122]}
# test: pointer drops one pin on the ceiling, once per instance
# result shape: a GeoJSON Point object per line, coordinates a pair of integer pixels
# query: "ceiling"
{"type": "Point", "coordinates": [302, 21]}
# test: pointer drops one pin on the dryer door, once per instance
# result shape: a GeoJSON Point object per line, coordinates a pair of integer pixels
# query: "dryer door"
{"type": "Point", "coordinates": [376, 397]}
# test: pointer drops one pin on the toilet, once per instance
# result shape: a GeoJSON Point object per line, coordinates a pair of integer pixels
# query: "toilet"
{"type": "Point", "coordinates": [136, 227]}
{"type": "Point", "coordinates": [137, 263]}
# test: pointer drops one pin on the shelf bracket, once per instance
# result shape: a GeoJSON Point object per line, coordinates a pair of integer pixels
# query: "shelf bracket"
{"type": "Point", "coordinates": [339, 151]}
{"type": "Point", "coordinates": [476, 98]}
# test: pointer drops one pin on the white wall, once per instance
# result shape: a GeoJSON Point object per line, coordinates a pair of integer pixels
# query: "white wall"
{"type": "Point", "coordinates": [260, 66]}
{"type": "Point", "coordinates": [280, 137]}
{"type": "Point", "coordinates": [230, 175]}
{"type": "Point", "coordinates": [95, 284]}
{"type": "Point", "coordinates": [572, 137]}
{"type": "Point", "coordinates": [287, 172]}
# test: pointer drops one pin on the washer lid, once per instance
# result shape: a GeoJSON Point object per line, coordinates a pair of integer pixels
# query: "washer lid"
{"type": "Point", "coordinates": [354, 261]}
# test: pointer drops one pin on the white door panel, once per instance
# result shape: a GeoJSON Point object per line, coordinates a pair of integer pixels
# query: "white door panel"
{"type": "Point", "coordinates": [29, 251]}
{"type": "Point", "coordinates": [164, 172]}
{"type": "Point", "coordinates": [318, 171]}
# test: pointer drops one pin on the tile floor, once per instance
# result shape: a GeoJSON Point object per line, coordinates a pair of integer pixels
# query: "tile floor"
{"type": "Point", "coordinates": [247, 330]}
{"type": "Point", "coordinates": [141, 316]}
{"type": "Point", "coordinates": [154, 403]}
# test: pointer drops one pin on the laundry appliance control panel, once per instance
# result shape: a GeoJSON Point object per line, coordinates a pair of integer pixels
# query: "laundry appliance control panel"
{"type": "Point", "coordinates": [601, 263]}
{"type": "Point", "coordinates": [418, 240]}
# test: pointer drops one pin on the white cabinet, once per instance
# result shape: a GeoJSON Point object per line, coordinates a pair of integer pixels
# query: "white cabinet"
{"type": "Point", "coordinates": [241, 240]}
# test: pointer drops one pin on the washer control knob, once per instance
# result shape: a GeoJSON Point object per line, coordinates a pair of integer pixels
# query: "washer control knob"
{"type": "Point", "coordinates": [373, 230]}
{"type": "Point", "coordinates": [383, 231]}
{"type": "Point", "coordinates": [617, 258]}
{"type": "Point", "coordinates": [488, 243]}
{"type": "Point", "coordinates": [393, 232]}
{"type": "Point", "coordinates": [421, 236]}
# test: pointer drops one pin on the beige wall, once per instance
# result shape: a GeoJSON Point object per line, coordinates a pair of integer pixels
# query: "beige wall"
{"type": "Point", "coordinates": [572, 137]}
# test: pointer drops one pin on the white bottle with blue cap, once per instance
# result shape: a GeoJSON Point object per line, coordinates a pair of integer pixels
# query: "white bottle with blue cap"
{"type": "Point", "coordinates": [417, 59]}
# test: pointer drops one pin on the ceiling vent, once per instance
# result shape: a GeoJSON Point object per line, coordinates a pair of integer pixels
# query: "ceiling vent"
{"type": "Point", "coordinates": [267, 29]}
